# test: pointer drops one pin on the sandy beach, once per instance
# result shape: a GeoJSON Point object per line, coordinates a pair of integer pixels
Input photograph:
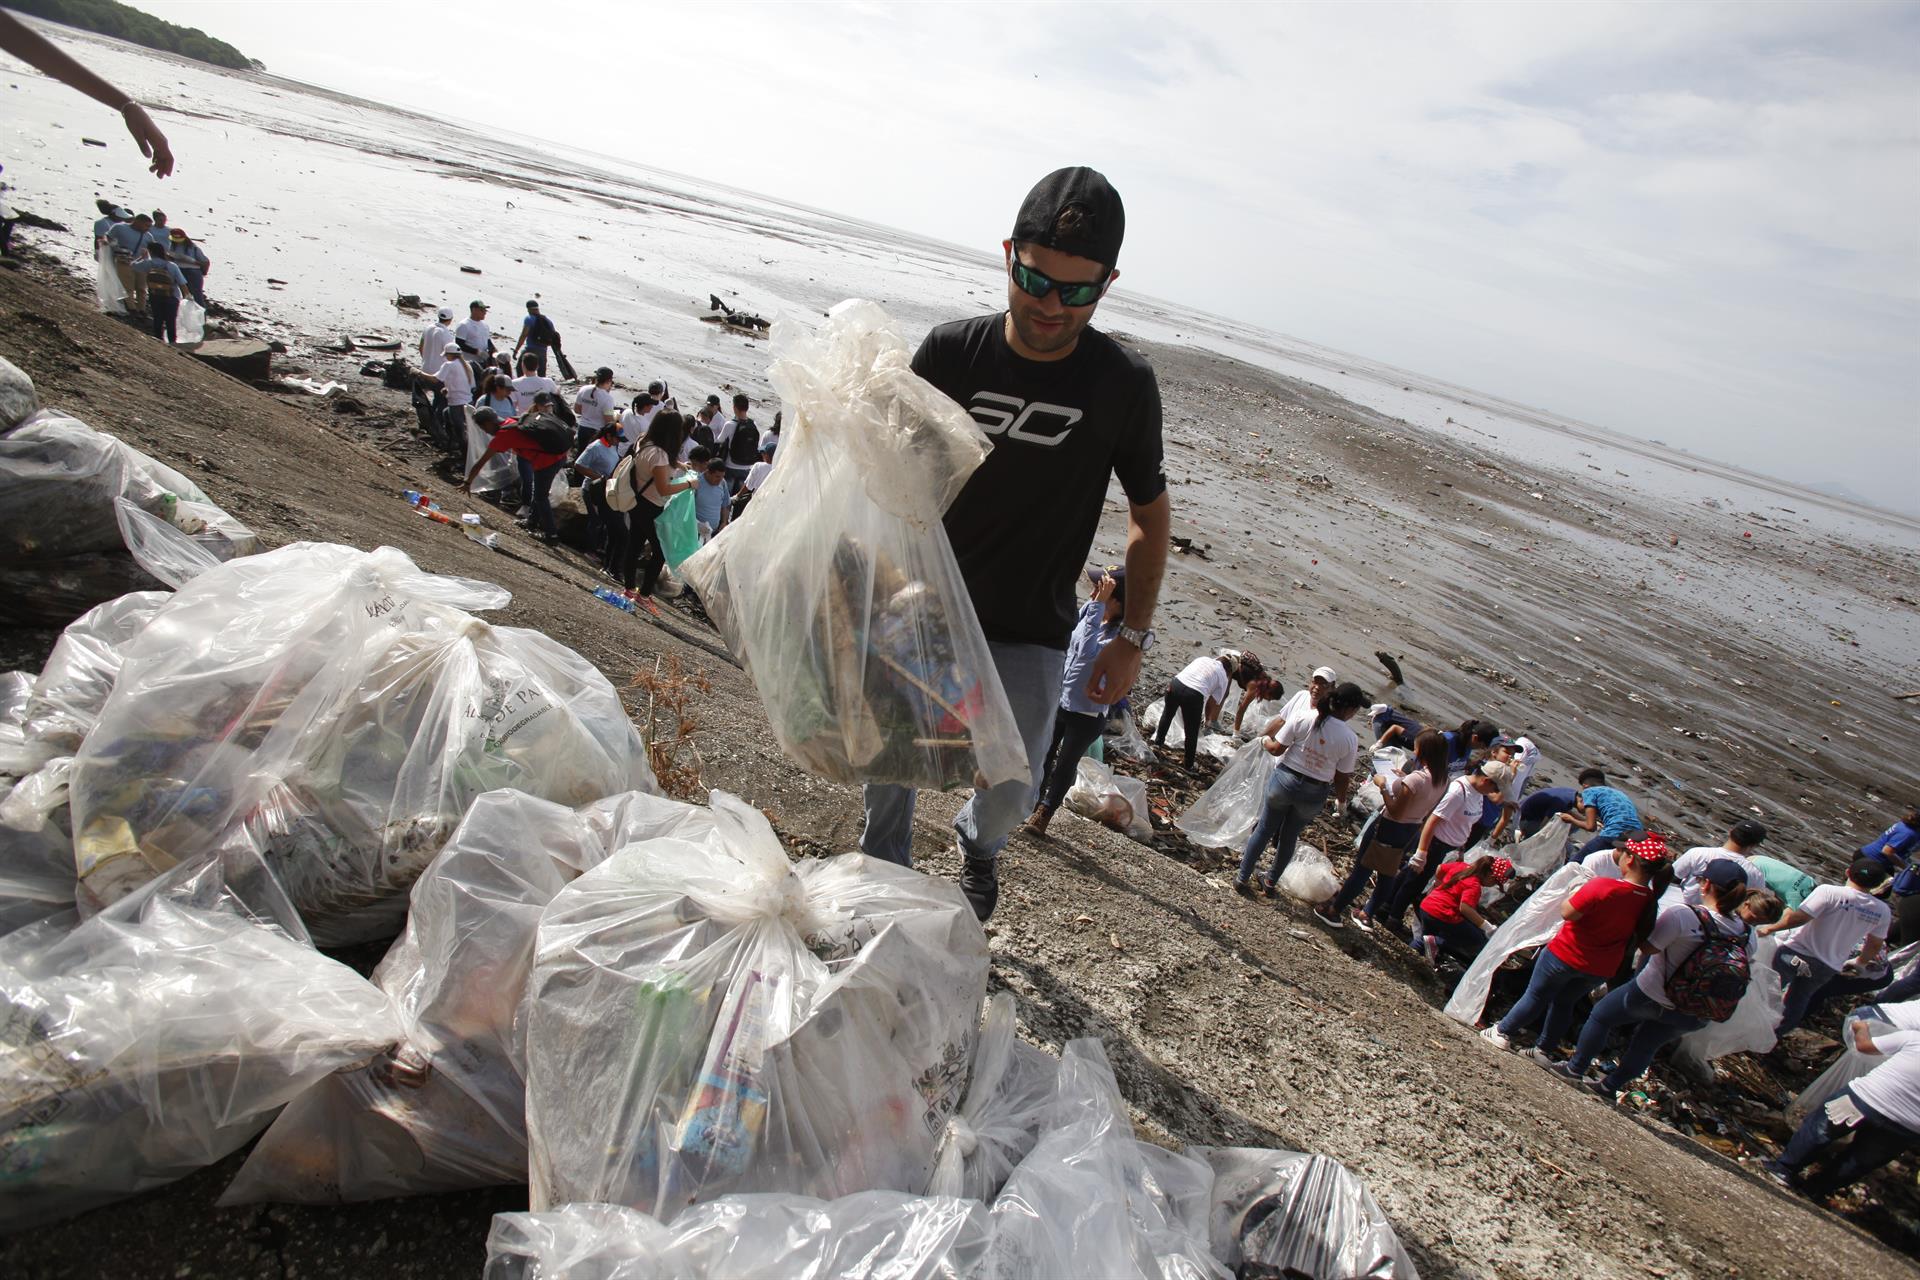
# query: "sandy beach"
{"type": "Point", "coordinates": [1726, 646]}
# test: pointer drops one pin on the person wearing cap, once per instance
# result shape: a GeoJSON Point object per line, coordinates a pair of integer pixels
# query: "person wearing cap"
{"type": "Point", "coordinates": [1742, 839]}
{"type": "Point", "coordinates": [1449, 915]}
{"type": "Point", "coordinates": [1827, 928]}
{"type": "Point", "coordinates": [1079, 719]}
{"type": "Point", "coordinates": [455, 379]}
{"type": "Point", "coordinates": [1444, 832]}
{"type": "Point", "coordinates": [129, 240]}
{"type": "Point", "coordinates": [192, 261]}
{"type": "Point", "coordinates": [1728, 909]}
{"type": "Point", "coordinates": [1598, 922]}
{"type": "Point", "coordinates": [1493, 819]}
{"type": "Point", "coordinates": [537, 337]}
{"type": "Point", "coordinates": [594, 465]}
{"type": "Point", "coordinates": [1321, 681]}
{"type": "Point", "coordinates": [707, 420]}
{"type": "Point", "coordinates": [1065, 409]}
{"type": "Point", "coordinates": [472, 335]}
{"type": "Point", "coordinates": [1607, 810]}
{"type": "Point", "coordinates": [595, 406]}
{"type": "Point", "coordinates": [435, 340]}
{"type": "Point", "coordinates": [1874, 1120]}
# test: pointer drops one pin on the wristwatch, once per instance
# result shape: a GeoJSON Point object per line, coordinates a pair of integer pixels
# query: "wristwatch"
{"type": "Point", "coordinates": [1141, 640]}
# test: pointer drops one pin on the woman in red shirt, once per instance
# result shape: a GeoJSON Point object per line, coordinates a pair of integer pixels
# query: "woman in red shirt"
{"type": "Point", "coordinates": [1601, 918]}
{"type": "Point", "coordinates": [1450, 913]}
{"type": "Point", "coordinates": [537, 454]}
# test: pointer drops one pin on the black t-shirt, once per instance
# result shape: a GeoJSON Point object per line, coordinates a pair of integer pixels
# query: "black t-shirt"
{"type": "Point", "coordinates": [1024, 523]}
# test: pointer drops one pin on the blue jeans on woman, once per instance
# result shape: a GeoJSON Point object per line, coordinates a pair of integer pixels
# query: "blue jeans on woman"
{"type": "Point", "coordinates": [1802, 978]}
{"type": "Point", "coordinates": [1380, 831]}
{"type": "Point", "coordinates": [1555, 990]}
{"type": "Point", "coordinates": [1293, 799]}
{"type": "Point", "coordinates": [1393, 901]}
{"type": "Point", "coordinates": [1657, 1025]}
{"type": "Point", "coordinates": [1870, 1144]}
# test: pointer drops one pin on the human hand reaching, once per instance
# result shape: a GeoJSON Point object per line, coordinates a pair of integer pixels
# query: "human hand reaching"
{"type": "Point", "coordinates": [153, 143]}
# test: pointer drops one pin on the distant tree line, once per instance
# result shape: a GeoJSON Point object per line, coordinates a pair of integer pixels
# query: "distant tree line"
{"type": "Point", "coordinates": [111, 18]}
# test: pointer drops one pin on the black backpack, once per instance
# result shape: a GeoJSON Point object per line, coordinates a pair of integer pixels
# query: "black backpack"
{"type": "Point", "coordinates": [543, 333]}
{"type": "Point", "coordinates": [743, 450]}
{"type": "Point", "coordinates": [547, 431]}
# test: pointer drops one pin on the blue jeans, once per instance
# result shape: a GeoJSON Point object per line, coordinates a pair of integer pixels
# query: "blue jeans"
{"type": "Point", "coordinates": [1031, 674]}
{"type": "Point", "coordinates": [1802, 978]}
{"type": "Point", "coordinates": [1461, 937]}
{"type": "Point", "coordinates": [1381, 831]}
{"type": "Point", "coordinates": [1655, 1026]}
{"type": "Point", "coordinates": [1905, 987]}
{"type": "Point", "coordinates": [1555, 990]}
{"type": "Point", "coordinates": [196, 283]}
{"type": "Point", "coordinates": [1292, 801]}
{"type": "Point", "coordinates": [1875, 1141]}
{"type": "Point", "coordinates": [1409, 886]}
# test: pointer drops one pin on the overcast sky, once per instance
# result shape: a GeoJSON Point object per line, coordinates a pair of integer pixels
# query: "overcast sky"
{"type": "Point", "coordinates": [1698, 223]}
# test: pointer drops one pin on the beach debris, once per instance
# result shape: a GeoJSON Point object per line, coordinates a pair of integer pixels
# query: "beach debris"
{"type": "Point", "coordinates": [408, 302]}
{"type": "Point", "coordinates": [1186, 547]}
{"type": "Point", "coordinates": [472, 271]}
{"type": "Point", "coordinates": [736, 319]}
{"type": "Point", "coordinates": [242, 358]}
{"type": "Point", "coordinates": [92, 142]}
{"type": "Point", "coordinates": [1386, 660]}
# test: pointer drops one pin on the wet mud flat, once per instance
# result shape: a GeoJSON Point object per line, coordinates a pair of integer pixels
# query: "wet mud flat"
{"type": "Point", "coordinates": [1227, 1021]}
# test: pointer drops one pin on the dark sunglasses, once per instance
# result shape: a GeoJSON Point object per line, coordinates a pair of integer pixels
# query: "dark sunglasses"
{"type": "Point", "coordinates": [1072, 293]}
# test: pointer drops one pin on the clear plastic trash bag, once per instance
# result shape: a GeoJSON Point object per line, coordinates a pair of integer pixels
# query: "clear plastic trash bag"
{"type": "Point", "coordinates": [190, 326]}
{"type": "Point", "coordinates": [107, 289]}
{"type": "Point", "coordinates": [1543, 852]}
{"type": "Point", "coordinates": [1368, 798]}
{"type": "Point", "coordinates": [1259, 715]}
{"type": "Point", "coordinates": [706, 1017]}
{"type": "Point", "coordinates": [1111, 799]}
{"type": "Point", "coordinates": [36, 847]}
{"type": "Point", "coordinates": [331, 709]}
{"type": "Point", "coordinates": [81, 670]}
{"type": "Point", "coordinates": [1128, 741]}
{"type": "Point", "coordinates": [18, 400]}
{"type": "Point", "coordinates": [837, 588]}
{"type": "Point", "coordinates": [499, 472]}
{"type": "Point", "coordinates": [1751, 1028]}
{"type": "Point", "coordinates": [1843, 1070]}
{"type": "Point", "coordinates": [159, 1035]}
{"type": "Point", "coordinates": [1226, 813]}
{"type": "Point", "coordinates": [1009, 1093]}
{"type": "Point", "coordinates": [1287, 1213]}
{"type": "Point", "coordinates": [448, 1110]}
{"type": "Point", "coordinates": [20, 754]}
{"type": "Point", "coordinates": [885, 1235]}
{"type": "Point", "coordinates": [1092, 1200]}
{"type": "Point", "coordinates": [1532, 924]}
{"type": "Point", "coordinates": [1309, 878]}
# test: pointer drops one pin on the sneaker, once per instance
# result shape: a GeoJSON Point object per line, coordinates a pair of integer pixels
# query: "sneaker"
{"type": "Point", "coordinates": [980, 882]}
{"type": "Point", "coordinates": [1779, 1173]}
{"type": "Point", "coordinates": [1328, 917]}
{"type": "Point", "coordinates": [1565, 1071]}
{"type": "Point", "coordinates": [523, 512]}
{"type": "Point", "coordinates": [1601, 1089]}
{"type": "Point", "coordinates": [1494, 1036]}
{"type": "Point", "coordinates": [1242, 888]}
{"type": "Point", "coordinates": [646, 602]}
{"type": "Point", "coordinates": [1363, 922]}
{"type": "Point", "coordinates": [1540, 1057]}
{"type": "Point", "coordinates": [1266, 888]}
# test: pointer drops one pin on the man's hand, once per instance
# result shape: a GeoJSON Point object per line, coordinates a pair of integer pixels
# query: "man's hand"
{"type": "Point", "coordinates": [1114, 673]}
{"type": "Point", "coordinates": [153, 143]}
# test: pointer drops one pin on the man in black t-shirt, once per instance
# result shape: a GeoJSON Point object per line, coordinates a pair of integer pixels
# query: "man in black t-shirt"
{"type": "Point", "coordinates": [1066, 409]}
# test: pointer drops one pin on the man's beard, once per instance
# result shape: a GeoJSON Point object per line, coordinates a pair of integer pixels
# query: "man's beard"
{"type": "Point", "coordinates": [1040, 340]}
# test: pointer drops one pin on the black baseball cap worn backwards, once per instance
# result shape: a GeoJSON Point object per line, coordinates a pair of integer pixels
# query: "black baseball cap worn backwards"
{"type": "Point", "coordinates": [1103, 219]}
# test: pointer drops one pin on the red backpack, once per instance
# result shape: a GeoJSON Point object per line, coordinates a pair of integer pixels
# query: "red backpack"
{"type": "Point", "coordinates": [1709, 983]}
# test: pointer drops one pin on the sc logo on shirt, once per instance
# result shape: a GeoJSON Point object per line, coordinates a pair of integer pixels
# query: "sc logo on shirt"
{"type": "Point", "coordinates": [1009, 414]}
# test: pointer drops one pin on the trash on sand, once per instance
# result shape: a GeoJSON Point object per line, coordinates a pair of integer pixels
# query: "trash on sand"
{"type": "Point", "coordinates": [1309, 877]}
{"type": "Point", "coordinates": [1286, 1213]}
{"type": "Point", "coordinates": [1111, 799]}
{"type": "Point", "coordinates": [313, 387]}
{"type": "Point", "coordinates": [792, 1026]}
{"type": "Point", "coordinates": [157, 1036]}
{"type": "Point", "coordinates": [837, 588]}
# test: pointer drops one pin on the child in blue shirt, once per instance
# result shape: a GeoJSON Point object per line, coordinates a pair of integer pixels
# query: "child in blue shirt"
{"type": "Point", "coordinates": [1079, 719]}
{"type": "Point", "coordinates": [1605, 809]}
{"type": "Point", "coordinates": [710, 498]}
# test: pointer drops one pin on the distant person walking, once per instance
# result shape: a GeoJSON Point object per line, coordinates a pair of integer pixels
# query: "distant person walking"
{"type": "Point", "coordinates": [472, 335]}
{"type": "Point", "coordinates": [537, 338]}
{"type": "Point", "coordinates": [165, 286]}
{"type": "Point", "coordinates": [129, 241]}
{"type": "Point", "coordinates": [436, 340]}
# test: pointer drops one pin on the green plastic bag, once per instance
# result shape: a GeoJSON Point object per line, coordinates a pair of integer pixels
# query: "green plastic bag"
{"type": "Point", "coordinates": [679, 529]}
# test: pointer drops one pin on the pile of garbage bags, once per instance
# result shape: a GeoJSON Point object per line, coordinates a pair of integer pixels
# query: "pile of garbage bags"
{"type": "Point", "coordinates": [85, 518]}
{"type": "Point", "coordinates": [1111, 799]}
{"type": "Point", "coordinates": [162, 1033]}
{"type": "Point", "coordinates": [1089, 1199]}
{"type": "Point", "coordinates": [1213, 746]}
{"type": "Point", "coordinates": [837, 588]}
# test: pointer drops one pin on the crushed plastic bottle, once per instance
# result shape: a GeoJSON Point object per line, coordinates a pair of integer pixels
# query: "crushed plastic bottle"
{"type": "Point", "coordinates": [615, 599]}
{"type": "Point", "coordinates": [491, 541]}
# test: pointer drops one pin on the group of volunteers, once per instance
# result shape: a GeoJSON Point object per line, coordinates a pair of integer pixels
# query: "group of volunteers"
{"type": "Point", "coordinates": [628, 459]}
{"type": "Point", "coordinates": [158, 265]}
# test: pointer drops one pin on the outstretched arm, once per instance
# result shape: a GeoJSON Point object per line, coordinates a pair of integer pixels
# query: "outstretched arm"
{"type": "Point", "coordinates": [34, 49]}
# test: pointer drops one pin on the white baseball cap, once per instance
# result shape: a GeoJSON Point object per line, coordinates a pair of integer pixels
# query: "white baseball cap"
{"type": "Point", "coordinates": [446, 313]}
{"type": "Point", "coordinates": [1323, 673]}
{"type": "Point", "coordinates": [1376, 708]}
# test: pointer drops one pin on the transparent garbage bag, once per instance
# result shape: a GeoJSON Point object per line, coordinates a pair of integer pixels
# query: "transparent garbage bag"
{"type": "Point", "coordinates": [705, 1017]}
{"type": "Point", "coordinates": [20, 753]}
{"type": "Point", "coordinates": [1111, 799]}
{"type": "Point", "coordinates": [1259, 715]}
{"type": "Point", "coordinates": [448, 1110]}
{"type": "Point", "coordinates": [1844, 1070]}
{"type": "Point", "coordinates": [18, 400]}
{"type": "Point", "coordinates": [1532, 924]}
{"type": "Point", "coordinates": [81, 670]}
{"type": "Point", "coordinates": [499, 472]}
{"type": "Point", "coordinates": [190, 326]}
{"type": "Point", "coordinates": [107, 289]}
{"type": "Point", "coordinates": [1368, 798]}
{"type": "Point", "coordinates": [36, 847]}
{"type": "Point", "coordinates": [1128, 741]}
{"type": "Point", "coordinates": [1092, 1200]}
{"type": "Point", "coordinates": [162, 1033]}
{"type": "Point", "coordinates": [1309, 878]}
{"type": "Point", "coordinates": [1226, 813]}
{"type": "Point", "coordinates": [837, 588]}
{"type": "Point", "coordinates": [1750, 1029]}
{"type": "Point", "coordinates": [870, 1234]}
{"type": "Point", "coordinates": [1009, 1092]}
{"type": "Point", "coordinates": [333, 710]}
{"type": "Point", "coordinates": [1543, 852]}
{"type": "Point", "coordinates": [1287, 1213]}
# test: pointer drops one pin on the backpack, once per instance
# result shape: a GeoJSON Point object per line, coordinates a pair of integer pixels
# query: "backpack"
{"type": "Point", "coordinates": [743, 449]}
{"type": "Point", "coordinates": [620, 494]}
{"type": "Point", "coordinates": [1709, 983]}
{"type": "Point", "coordinates": [543, 333]}
{"type": "Point", "coordinates": [547, 431]}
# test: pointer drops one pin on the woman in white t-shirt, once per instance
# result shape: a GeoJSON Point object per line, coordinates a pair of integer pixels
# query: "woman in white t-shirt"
{"type": "Point", "coordinates": [1197, 693]}
{"type": "Point", "coordinates": [1317, 754]}
{"type": "Point", "coordinates": [1728, 910]}
{"type": "Point", "coordinates": [1874, 1120]}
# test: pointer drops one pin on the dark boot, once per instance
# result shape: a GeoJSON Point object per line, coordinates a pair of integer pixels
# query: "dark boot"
{"type": "Point", "coordinates": [980, 882]}
{"type": "Point", "coordinates": [1036, 826]}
